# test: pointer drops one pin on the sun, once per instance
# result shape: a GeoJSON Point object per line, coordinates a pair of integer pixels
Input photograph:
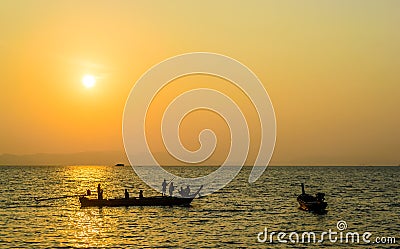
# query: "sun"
{"type": "Point", "coordinates": [88, 81]}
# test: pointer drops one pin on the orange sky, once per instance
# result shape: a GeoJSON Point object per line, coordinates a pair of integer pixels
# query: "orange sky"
{"type": "Point", "coordinates": [330, 68]}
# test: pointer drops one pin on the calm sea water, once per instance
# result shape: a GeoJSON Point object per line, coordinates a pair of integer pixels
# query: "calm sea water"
{"type": "Point", "coordinates": [367, 198]}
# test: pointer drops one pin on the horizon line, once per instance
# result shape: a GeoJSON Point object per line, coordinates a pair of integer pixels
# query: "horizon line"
{"type": "Point", "coordinates": [292, 165]}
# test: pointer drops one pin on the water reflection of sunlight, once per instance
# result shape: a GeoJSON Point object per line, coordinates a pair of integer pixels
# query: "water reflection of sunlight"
{"type": "Point", "coordinates": [116, 227]}
{"type": "Point", "coordinates": [91, 228]}
{"type": "Point", "coordinates": [81, 178]}
{"type": "Point", "coordinates": [85, 177]}
{"type": "Point", "coordinates": [86, 173]}
{"type": "Point", "coordinates": [109, 227]}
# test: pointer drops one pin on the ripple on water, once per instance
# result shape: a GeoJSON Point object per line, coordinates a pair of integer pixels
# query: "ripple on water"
{"type": "Point", "coordinates": [230, 218]}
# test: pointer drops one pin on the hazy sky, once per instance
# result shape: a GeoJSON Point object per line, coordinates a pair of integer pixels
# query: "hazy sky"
{"type": "Point", "coordinates": [331, 69]}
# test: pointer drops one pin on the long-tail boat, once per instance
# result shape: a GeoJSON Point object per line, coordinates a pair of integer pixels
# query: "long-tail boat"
{"type": "Point", "coordinates": [138, 201]}
{"type": "Point", "coordinates": [310, 203]}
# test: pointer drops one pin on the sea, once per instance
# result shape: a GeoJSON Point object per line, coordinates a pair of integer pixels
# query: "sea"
{"type": "Point", "coordinates": [362, 201]}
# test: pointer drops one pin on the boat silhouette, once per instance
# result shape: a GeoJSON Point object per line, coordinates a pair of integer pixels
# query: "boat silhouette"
{"type": "Point", "coordinates": [312, 203]}
{"type": "Point", "coordinates": [139, 201]}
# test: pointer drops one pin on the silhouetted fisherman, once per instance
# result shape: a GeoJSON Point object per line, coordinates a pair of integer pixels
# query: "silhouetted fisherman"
{"type": "Point", "coordinates": [126, 194]}
{"type": "Point", "coordinates": [171, 189]}
{"type": "Point", "coordinates": [164, 187]}
{"type": "Point", "coordinates": [99, 192]}
{"type": "Point", "coordinates": [187, 190]}
{"type": "Point", "coordinates": [140, 194]}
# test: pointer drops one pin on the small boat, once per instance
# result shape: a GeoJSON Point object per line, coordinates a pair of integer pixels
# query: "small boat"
{"type": "Point", "coordinates": [310, 203]}
{"type": "Point", "coordinates": [119, 164]}
{"type": "Point", "coordinates": [137, 201]}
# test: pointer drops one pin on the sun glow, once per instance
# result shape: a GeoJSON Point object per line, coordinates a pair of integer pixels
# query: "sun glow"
{"type": "Point", "coordinates": [88, 81]}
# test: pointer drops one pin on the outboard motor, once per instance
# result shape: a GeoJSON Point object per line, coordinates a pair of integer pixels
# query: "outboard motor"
{"type": "Point", "coordinates": [320, 197]}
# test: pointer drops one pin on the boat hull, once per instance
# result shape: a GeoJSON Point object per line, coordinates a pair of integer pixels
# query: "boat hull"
{"type": "Point", "coordinates": [316, 206]}
{"type": "Point", "coordinates": [147, 201]}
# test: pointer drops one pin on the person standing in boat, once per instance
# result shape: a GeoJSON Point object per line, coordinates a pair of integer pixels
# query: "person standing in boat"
{"type": "Point", "coordinates": [141, 194]}
{"type": "Point", "coordinates": [171, 189]}
{"type": "Point", "coordinates": [126, 194]}
{"type": "Point", "coordinates": [99, 192]}
{"type": "Point", "coordinates": [164, 187]}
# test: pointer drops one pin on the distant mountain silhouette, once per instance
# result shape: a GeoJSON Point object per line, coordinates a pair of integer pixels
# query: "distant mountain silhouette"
{"type": "Point", "coordinates": [80, 158]}
{"type": "Point", "coordinates": [113, 157]}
